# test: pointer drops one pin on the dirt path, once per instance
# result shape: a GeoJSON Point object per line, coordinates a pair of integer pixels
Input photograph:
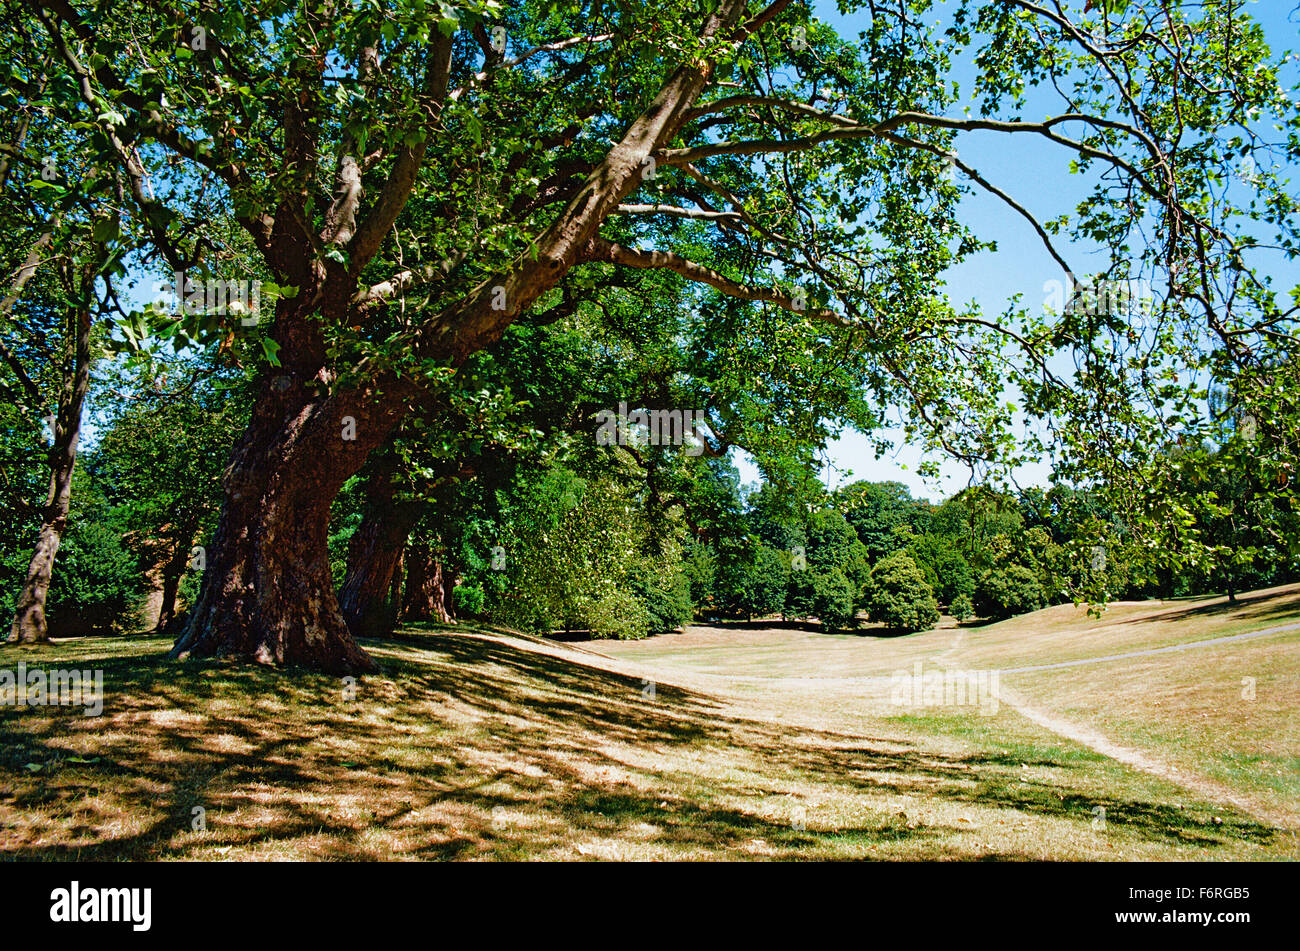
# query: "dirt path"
{"type": "Point", "coordinates": [1133, 758]}
{"type": "Point", "coordinates": [1136, 759]}
{"type": "Point", "coordinates": [1080, 733]}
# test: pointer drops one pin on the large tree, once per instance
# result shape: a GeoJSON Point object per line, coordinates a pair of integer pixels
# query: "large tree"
{"type": "Point", "coordinates": [411, 178]}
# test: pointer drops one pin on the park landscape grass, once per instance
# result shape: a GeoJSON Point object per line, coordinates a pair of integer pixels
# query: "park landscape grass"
{"type": "Point", "coordinates": [722, 742]}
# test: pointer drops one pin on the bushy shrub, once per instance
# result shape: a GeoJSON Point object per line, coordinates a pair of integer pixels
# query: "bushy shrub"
{"type": "Point", "coordinates": [187, 593]}
{"type": "Point", "coordinates": [701, 567]}
{"type": "Point", "coordinates": [752, 579]}
{"type": "Point", "coordinates": [961, 607]}
{"type": "Point", "coordinates": [571, 540]}
{"type": "Point", "coordinates": [898, 596]}
{"type": "Point", "coordinates": [618, 613]}
{"type": "Point", "coordinates": [858, 569]}
{"type": "Point", "coordinates": [1008, 591]}
{"type": "Point", "coordinates": [469, 600]}
{"type": "Point", "coordinates": [735, 565]}
{"type": "Point", "coordinates": [830, 541]}
{"type": "Point", "coordinates": [665, 591]}
{"type": "Point", "coordinates": [956, 580]}
{"type": "Point", "coordinates": [834, 600]}
{"type": "Point", "coordinates": [946, 569]}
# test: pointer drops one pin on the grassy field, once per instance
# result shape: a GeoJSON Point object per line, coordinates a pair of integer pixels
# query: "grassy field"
{"type": "Point", "coordinates": [720, 742]}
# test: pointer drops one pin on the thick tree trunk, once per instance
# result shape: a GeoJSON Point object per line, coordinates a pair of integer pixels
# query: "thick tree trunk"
{"type": "Point", "coordinates": [373, 555]}
{"type": "Point", "coordinates": [414, 598]}
{"type": "Point", "coordinates": [373, 592]}
{"type": "Point", "coordinates": [29, 624]}
{"type": "Point", "coordinates": [448, 603]}
{"type": "Point", "coordinates": [267, 595]}
{"type": "Point", "coordinates": [428, 587]}
{"type": "Point", "coordinates": [172, 573]}
{"type": "Point", "coordinates": [397, 586]}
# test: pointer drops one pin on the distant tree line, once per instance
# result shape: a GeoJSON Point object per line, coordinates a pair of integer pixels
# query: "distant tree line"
{"type": "Point", "coordinates": [611, 541]}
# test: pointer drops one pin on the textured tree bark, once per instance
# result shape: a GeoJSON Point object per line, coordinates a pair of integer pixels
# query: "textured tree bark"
{"type": "Point", "coordinates": [396, 586]}
{"type": "Point", "coordinates": [267, 595]}
{"type": "Point", "coordinates": [428, 587]}
{"type": "Point", "coordinates": [30, 625]}
{"type": "Point", "coordinates": [172, 572]}
{"type": "Point", "coordinates": [448, 603]}
{"type": "Point", "coordinates": [373, 556]}
{"type": "Point", "coordinates": [415, 596]}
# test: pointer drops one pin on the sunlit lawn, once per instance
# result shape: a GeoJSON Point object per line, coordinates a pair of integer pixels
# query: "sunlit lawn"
{"type": "Point", "coordinates": [482, 746]}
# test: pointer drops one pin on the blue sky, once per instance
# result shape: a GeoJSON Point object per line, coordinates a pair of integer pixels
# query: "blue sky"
{"type": "Point", "coordinates": [1035, 173]}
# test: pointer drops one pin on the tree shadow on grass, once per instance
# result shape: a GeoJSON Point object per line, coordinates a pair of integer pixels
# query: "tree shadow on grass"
{"type": "Point", "coordinates": [1257, 607]}
{"type": "Point", "coordinates": [471, 748]}
{"type": "Point", "coordinates": [882, 633]}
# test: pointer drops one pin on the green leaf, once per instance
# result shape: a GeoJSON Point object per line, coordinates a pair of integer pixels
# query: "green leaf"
{"type": "Point", "coordinates": [106, 229]}
{"type": "Point", "coordinates": [272, 350]}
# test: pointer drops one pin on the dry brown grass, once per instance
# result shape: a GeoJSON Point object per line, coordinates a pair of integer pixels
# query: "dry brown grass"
{"type": "Point", "coordinates": [482, 745]}
{"type": "Point", "coordinates": [1218, 718]}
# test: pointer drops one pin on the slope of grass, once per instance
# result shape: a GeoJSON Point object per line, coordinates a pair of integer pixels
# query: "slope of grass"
{"type": "Point", "coordinates": [480, 745]}
{"type": "Point", "coordinates": [1054, 635]}
{"type": "Point", "coordinates": [1218, 715]}
{"type": "Point", "coordinates": [1066, 633]}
